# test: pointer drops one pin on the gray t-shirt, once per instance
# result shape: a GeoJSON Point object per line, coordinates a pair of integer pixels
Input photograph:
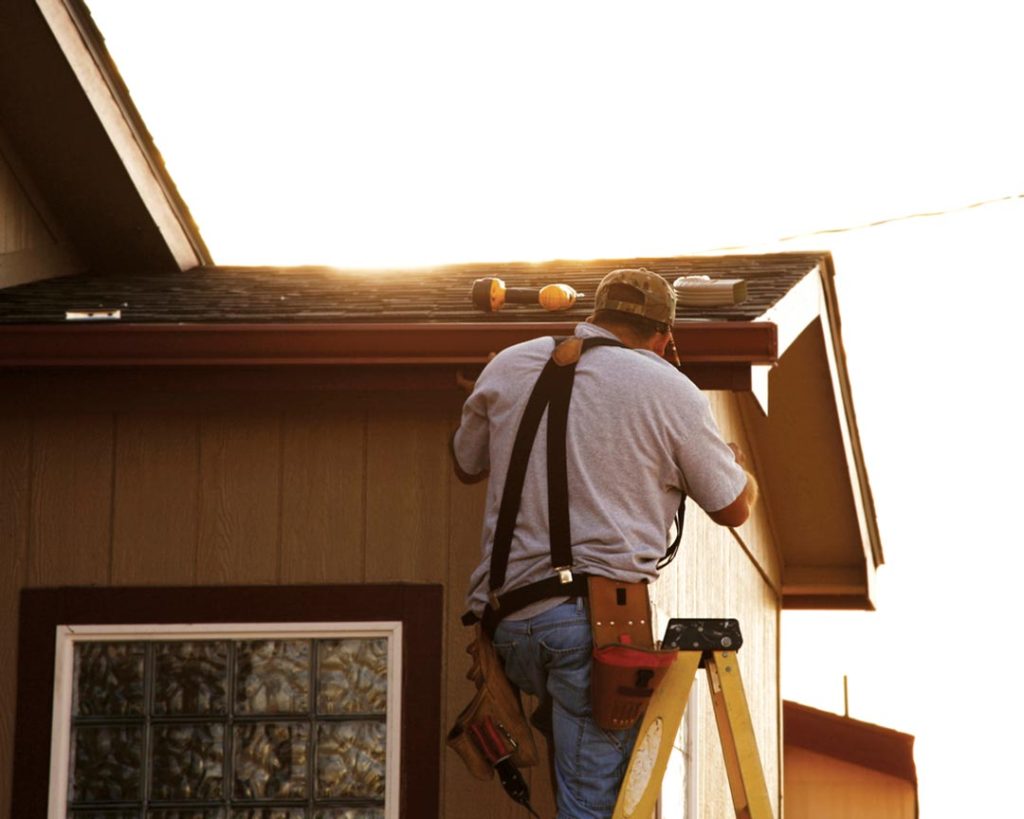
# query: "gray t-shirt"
{"type": "Point", "coordinates": [639, 432]}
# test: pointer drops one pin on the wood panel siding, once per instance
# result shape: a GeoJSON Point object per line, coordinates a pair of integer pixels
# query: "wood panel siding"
{"type": "Point", "coordinates": [239, 497]}
{"type": "Point", "coordinates": [156, 509]}
{"type": "Point", "coordinates": [72, 496]}
{"type": "Point", "coordinates": [323, 517]}
{"type": "Point", "coordinates": [15, 469]}
{"type": "Point", "coordinates": [297, 488]}
{"type": "Point", "coordinates": [407, 480]}
{"type": "Point", "coordinates": [718, 579]}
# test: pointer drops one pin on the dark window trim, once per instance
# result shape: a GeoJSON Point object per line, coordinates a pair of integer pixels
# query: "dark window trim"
{"type": "Point", "coordinates": [419, 607]}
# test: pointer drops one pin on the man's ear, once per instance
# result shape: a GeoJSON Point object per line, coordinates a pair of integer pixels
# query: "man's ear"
{"type": "Point", "coordinates": [660, 342]}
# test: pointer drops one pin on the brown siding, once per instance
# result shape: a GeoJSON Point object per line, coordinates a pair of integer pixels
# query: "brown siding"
{"type": "Point", "coordinates": [301, 488]}
{"type": "Point", "coordinates": [15, 466]}
{"type": "Point", "coordinates": [407, 478]}
{"type": "Point", "coordinates": [156, 508]}
{"type": "Point", "coordinates": [323, 521]}
{"type": "Point", "coordinates": [822, 787]}
{"type": "Point", "coordinates": [239, 497]}
{"type": "Point", "coordinates": [71, 486]}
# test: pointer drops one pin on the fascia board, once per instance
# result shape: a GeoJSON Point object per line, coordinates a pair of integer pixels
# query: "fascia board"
{"type": "Point", "coordinates": [862, 496]}
{"type": "Point", "coordinates": [463, 344]}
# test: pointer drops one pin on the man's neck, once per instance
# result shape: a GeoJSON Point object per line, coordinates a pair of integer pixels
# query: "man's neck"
{"type": "Point", "coordinates": [626, 335]}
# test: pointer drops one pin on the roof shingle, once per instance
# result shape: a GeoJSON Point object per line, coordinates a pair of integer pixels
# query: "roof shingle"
{"type": "Point", "coordinates": [327, 295]}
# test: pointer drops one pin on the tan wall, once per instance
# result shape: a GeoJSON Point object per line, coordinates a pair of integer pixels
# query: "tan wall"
{"type": "Point", "coordinates": [725, 574]}
{"type": "Point", "coordinates": [306, 488]}
{"type": "Point", "coordinates": [822, 787]}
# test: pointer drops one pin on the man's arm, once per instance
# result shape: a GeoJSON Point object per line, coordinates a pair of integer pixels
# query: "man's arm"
{"type": "Point", "coordinates": [474, 429]}
{"type": "Point", "coordinates": [737, 512]}
{"type": "Point", "coordinates": [460, 473]}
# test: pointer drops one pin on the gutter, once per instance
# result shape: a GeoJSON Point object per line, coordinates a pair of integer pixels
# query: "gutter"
{"type": "Point", "coordinates": [720, 354]}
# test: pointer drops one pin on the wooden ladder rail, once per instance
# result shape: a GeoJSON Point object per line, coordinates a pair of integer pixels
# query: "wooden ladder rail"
{"type": "Point", "coordinates": [712, 645]}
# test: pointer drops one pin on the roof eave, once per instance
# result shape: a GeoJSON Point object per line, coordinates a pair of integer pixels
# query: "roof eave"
{"type": "Point", "coordinates": [719, 355]}
{"type": "Point", "coordinates": [820, 570]}
{"type": "Point", "coordinates": [82, 45]}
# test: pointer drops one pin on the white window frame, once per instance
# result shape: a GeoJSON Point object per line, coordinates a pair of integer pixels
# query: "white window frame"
{"type": "Point", "coordinates": [63, 682]}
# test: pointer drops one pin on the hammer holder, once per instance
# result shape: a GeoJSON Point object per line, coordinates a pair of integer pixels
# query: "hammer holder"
{"type": "Point", "coordinates": [627, 666]}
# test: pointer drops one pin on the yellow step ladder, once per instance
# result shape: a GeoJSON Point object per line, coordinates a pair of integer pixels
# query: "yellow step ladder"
{"type": "Point", "coordinates": [712, 645]}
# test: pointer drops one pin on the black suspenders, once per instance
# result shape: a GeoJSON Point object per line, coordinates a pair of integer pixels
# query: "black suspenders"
{"type": "Point", "coordinates": [552, 392]}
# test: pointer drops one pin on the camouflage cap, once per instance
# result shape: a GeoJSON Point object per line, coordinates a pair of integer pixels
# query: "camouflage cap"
{"type": "Point", "coordinates": [655, 298]}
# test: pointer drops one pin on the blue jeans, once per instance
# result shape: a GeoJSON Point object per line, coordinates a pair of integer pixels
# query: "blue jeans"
{"type": "Point", "coordinates": [549, 656]}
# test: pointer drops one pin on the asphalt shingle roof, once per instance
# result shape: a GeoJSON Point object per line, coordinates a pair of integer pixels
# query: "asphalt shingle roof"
{"type": "Point", "coordinates": [326, 295]}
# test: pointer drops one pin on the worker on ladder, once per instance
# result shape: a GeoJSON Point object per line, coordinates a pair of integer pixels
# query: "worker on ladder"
{"type": "Point", "coordinates": [591, 493]}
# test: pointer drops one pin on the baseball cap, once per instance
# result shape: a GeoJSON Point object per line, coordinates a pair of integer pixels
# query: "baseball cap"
{"type": "Point", "coordinates": [652, 296]}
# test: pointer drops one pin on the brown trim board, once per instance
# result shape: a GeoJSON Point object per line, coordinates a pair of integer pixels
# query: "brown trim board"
{"type": "Point", "coordinates": [89, 345]}
{"type": "Point", "coordinates": [719, 353]}
{"type": "Point", "coordinates": [418, 606]}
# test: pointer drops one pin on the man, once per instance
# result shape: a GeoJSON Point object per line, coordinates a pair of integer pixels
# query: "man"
{"type": "Point", "coordinates": [638, 435]}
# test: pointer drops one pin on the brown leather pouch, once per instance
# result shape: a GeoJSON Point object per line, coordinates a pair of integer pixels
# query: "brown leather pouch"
{"type": "Point", "coordinates": [493, 726]}
{"type": "Point", "coordinates": [627, 667]}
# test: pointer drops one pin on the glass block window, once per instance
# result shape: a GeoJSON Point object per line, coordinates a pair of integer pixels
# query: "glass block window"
{"type": "Point", "coordinates": [229, 726]}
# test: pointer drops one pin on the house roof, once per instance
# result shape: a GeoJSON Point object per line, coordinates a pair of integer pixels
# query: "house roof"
{"type": "Point", "coordinates": [70, 130]}
{"type": "Point", "coordinates": [860, 743]}
{"type": "Point", "coordinates": [219, 295]}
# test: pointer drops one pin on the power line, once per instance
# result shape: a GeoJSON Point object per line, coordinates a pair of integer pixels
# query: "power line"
{"type": "Point", "coordinates": [876, 223]}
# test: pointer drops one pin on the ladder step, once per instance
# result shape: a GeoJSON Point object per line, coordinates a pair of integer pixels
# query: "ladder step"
{"type": "Point", "coordinates": [698, 634]}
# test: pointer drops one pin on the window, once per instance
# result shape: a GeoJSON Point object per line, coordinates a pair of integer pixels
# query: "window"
{"type": "Point", "coordinates": [277, 719]}
{"type": "Point", "coordinates": [225, 723]}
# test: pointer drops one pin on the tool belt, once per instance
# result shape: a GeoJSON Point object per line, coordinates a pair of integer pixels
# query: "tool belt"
{"type": "Point", "coordinates": [492, 732]}
{"type": "Point", "coordinates": [627, 666]}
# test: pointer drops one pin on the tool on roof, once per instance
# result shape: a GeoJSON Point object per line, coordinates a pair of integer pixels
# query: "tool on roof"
{"type": "Point", "coordinates": [491, 294]}
{"type": "Point", "coordinates": [711, 645]}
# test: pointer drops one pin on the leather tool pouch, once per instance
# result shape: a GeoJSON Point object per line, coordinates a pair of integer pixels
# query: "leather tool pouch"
{"type": "Point", "coordinates": [493, 726]}
{"type": "Point", "coordinates": [627, 667]}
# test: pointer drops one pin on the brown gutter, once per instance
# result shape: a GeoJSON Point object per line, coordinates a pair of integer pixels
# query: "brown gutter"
{"type": "Point", "coordinates": [218, 345]}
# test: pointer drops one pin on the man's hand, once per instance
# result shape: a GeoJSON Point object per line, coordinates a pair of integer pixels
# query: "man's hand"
{"type": "Point", "coordinates": [467, 384]}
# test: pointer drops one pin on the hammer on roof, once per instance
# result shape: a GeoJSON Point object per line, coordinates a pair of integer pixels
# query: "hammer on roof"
{"type": "Point", "coordinates": [490, 294]}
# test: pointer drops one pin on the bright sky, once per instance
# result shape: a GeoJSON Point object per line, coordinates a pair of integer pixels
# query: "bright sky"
{"type": "Point", "coordinates": [369, 134]}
